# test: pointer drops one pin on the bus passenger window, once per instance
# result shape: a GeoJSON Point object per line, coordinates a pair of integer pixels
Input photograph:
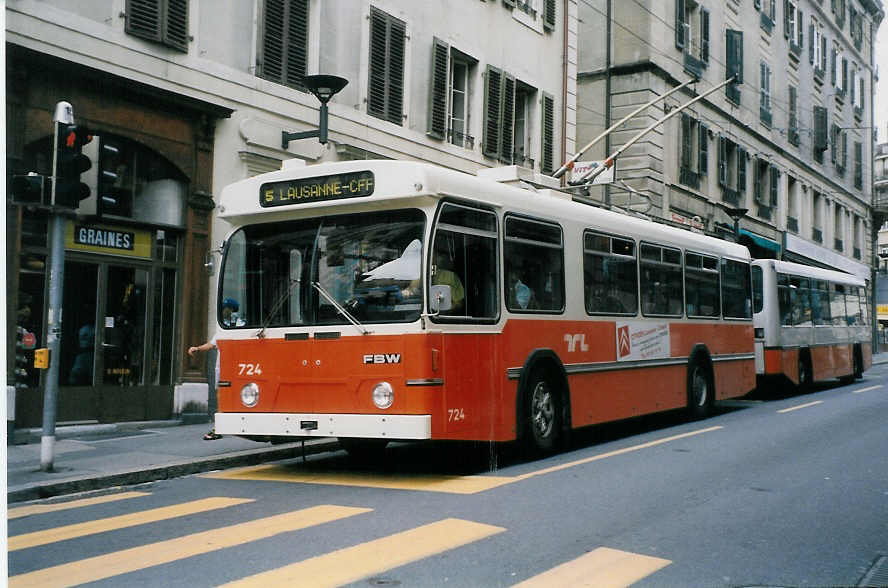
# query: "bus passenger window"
{"type": "Point", "coordinates": [534, 261]}
{"type": "Point", "coordinates": [736, 289]}
{"type": "Point", "coordinates": [661, 283]}
{"type": "Point", "coordinates": [610, 275]}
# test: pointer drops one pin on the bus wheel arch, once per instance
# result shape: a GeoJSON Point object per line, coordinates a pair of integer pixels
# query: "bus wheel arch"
{"type": "Point", "coordinates": [806, 370]}
{"type": "Point", "coordinates": [542, 403]}
{"type": "Point", "coordinates": [700, 383]}
{"type": "Point", "coordinates": [857, 362]}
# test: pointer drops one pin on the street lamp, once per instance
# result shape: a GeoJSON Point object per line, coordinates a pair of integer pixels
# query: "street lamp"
{"type": "Point", "coordinates": [736, 214]}
{"type": "Point", "coordinates": [323, 87]}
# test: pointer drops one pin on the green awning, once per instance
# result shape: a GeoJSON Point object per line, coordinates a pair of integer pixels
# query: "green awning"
{"type": "Point", "coordinates": [762, 242]}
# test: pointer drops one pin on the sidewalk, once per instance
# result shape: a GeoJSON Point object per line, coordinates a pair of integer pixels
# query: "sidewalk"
{"type": "Point", "coordinates": [91, 457]}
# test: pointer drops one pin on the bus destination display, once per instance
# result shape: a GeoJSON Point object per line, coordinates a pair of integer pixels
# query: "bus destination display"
{"type": "Point", "coordinates": [302, 190]}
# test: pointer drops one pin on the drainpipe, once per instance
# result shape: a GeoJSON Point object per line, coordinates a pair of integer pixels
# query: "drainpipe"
{"type": "Point", "coordinates": [607, 95]}
{"type": "Point", "coordinates": [564, 64]}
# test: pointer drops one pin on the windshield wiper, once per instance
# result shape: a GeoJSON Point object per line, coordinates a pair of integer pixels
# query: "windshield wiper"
{"type": "Point", "coordinates": [280, 301]}
{"type": "Point", "coordinates": [340, 309]}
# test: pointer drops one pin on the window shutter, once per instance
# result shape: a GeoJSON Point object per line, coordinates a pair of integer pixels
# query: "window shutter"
{"type": "Point", "coordinates": [734, 59]}
{"type": "Point", "coordinates": [844, 149]}
{"type": "Point", "coordinates": [397, 41]}
{"type": "Point", "coordinates": [493, 82]}
{"type": "Point", "coordinates": [800, 28]}
{"type": "Point", "coordinates": [283, 52]}
{"type": "Point", "coordinates": [704, 35]}
{"type": "Point", "coordinates": [385, 95]}
{"type": "Point", "coordinates": [547, 154]}
{"type": "Point", "coordinates": [741, 170]}
{"type": "Point", "coordinates": [757, 181]}
{"type": "Point", "coordinates": [832, 68]}
{"type": "Point", "coordinates": [703, 155]}
{"type": "Point", "coordinates": [679, 23]}
{"type": "Point", "coordinates": [722, 161]}
{"type": "Point", "coordinates": [438, 90]}
{"type": "Point", "coordinates": [774, 174]}
{"type": "Point", "coordinates": [143, 19]}
{"type": "Point", "coordinates": [376, 90]}
{"type": "Point", "coordinates": [507, 121]}
{"type": "Point", "coordinates": [820, 122]}
{"type": "Point", "coordinates": [786, 8]}
{"type": "Point", "coordinates": [175, 33]}
{"type": "Point", "coordinates": [161, 21]}
{"type": "Point", "coordinates": [844, 74]}
{"type": "Point", "coordinates": [811, 47]}
{"type": "Point", "coordinates": [685, 141]}
{"type": "Point", "coordinates": [271, 57]}
{"type": "Point", "coordinates": [833, 140]}
{"type": "Point", "coordinates": [549, 15]}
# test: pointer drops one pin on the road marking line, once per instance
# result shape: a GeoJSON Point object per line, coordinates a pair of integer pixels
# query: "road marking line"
{"type": "Point", "coordinates": [120, 522]}
{"type": "Point", "coordinates": [792, 408]}
{"type": "Point", "coordinates": [600, 568]}
{"type": "Point", "coordinates": [351, 564]}
{"type": "Point", "coordinates": [617, 452]}
{"type": "Point", "coordinates": [422, 482]}
{"type": "Point", "coordinates": [100, 567]}
{"type": "Point", "coordinates": [862, 390]}
{"type": "Point", "coordinates": [37, 509]}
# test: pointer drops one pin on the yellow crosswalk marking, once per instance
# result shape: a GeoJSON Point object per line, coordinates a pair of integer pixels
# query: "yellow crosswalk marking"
{"type": "Point", "coordinates": [37, 509]}
{"type": "Point", "coordinates": [600, 568]}
{"type": "Point", "coordinates": [120, 522]}
{"type": "Point", "coordinates": [154, 554]}
{"type": "Point", "coordinates": [353, 563]}
{"type": "Point", "coordinates": [391, 481]}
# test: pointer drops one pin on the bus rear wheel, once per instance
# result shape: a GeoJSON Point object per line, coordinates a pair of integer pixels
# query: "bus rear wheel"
{"type": "Point", "coordinates": [701, 390]}
{"type": "Point", "coordinates": [542, 415]}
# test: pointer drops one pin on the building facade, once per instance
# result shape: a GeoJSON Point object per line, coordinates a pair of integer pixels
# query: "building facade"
{"type": "Point", "coordinates": [880, 202]}
{"type": "Point", "coordinates": [194, 97]}
{"type": "Point", "coordinates": [787, 148]}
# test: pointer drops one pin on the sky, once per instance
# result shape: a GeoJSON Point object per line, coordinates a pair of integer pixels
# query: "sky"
{"type": "Point", "coordinates": [880, 104]}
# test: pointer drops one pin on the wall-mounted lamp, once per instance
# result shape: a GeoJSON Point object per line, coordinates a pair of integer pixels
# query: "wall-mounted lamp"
{"type": "Point", "coordinates": [323, 87]}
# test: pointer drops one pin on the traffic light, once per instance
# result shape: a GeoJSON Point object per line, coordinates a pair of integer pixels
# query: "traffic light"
{"type": "Point", "coordinates": [70, 163]}
{"type": "Point", "coordinates": [101, 179]}
{"type": "Point", "coordinates": [30, 189]}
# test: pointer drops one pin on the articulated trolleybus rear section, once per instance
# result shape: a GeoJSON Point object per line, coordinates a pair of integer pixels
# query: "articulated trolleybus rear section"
{"type": "Point", "coordinates": [811, 324]}
{"type": "Point", "coordinates": [385, 300]}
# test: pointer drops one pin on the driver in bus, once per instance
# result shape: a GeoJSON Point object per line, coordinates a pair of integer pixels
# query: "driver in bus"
{"type": "Point", "coordinates": [442, 275]}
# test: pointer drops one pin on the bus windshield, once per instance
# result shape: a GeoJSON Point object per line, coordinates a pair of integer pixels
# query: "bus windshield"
{"type": "Point", "coordinates": [369, 263]}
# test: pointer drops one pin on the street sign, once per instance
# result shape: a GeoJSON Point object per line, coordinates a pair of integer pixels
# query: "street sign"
{"type": "Point", "coordinates": [582, 167]}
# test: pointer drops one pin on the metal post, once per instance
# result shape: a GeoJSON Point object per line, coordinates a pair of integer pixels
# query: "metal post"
{"type": "Point", "coordinates": [63, 114]}
{"type": "Point", "coordinates": [54, 333]}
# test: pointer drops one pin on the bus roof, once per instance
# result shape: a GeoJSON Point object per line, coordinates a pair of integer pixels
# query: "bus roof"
{"type": "Point", "coordinates": [809, 271]}
{"type": "Point", "coordinates": [400, 180]}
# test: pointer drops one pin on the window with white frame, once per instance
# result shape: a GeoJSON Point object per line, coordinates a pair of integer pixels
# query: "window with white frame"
{"type": "Point", "coordinates": [694, 151]}
{"type": "Point", "coordinates": [765, 93]}
{"type": "Point", "coordinates": [817, 46]}
{"type": "Point", "coordinates": [692, 33]}
{"type": "Point", "coordinates": [817, 217]}
{"type": "Point", "coordinates": [792, 204]}
{"type": "Point", "coordinates": [793, 29]}
{"type": "Point", "coordinates": [839, 228]}
{"type": "Point", "coordinates": [450, 91]}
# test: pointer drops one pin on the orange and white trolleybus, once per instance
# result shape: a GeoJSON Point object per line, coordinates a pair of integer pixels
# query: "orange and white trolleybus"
{"type": "Point", "coordinates": [391, 300]}
{"type": "Point", "coordinates": [811, 324]}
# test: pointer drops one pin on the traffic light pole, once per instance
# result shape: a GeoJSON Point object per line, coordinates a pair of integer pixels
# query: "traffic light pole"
{"type": "Point", "coordinates": [63, 115]}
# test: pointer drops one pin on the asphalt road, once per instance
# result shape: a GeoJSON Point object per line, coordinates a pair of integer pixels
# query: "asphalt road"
{"type": "Point", "coordinates": [788, 491]}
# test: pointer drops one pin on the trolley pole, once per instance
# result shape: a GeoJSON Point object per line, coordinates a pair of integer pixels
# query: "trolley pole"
{"type": "Point", "coordinates": [64, 114]}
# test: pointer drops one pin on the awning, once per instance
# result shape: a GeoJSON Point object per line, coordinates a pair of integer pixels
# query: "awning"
{"type": "Point", "coordinates": [762, 242]}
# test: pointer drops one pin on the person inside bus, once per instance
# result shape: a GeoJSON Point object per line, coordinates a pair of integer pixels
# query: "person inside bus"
{"type": "Point", "coordinates": [444, 276]}
{"type": "Point", "coordinates": [520, 294]}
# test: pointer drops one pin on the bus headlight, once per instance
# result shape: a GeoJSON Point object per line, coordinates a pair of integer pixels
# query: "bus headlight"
{"type": "Point", "coordinates": [250, 394]}
{"type": "Point", "coordinates": [383, 395]}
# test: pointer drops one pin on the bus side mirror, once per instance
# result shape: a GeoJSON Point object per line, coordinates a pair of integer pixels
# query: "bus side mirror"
{"type": "Point", "coordinates": [441, 300]}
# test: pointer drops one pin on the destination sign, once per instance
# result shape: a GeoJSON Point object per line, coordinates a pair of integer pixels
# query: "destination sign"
{"type": "Point", "coordinates": [321, 188]}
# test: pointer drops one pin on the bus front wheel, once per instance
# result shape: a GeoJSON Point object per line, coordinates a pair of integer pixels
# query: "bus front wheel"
{"type": "Point", "coordinates": [542, 415]}
{"type": "Point", "coordinates": [367, 450]}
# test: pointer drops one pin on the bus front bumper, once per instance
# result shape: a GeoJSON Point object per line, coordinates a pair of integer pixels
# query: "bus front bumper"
{"type": "Point", "coordinates": [377, 426]}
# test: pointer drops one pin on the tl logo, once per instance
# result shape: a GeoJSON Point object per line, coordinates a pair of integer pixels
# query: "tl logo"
{"type": "Point", "coordinates": [572, 341]}
{"type": "Point", "coordinates": [624, 347]}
